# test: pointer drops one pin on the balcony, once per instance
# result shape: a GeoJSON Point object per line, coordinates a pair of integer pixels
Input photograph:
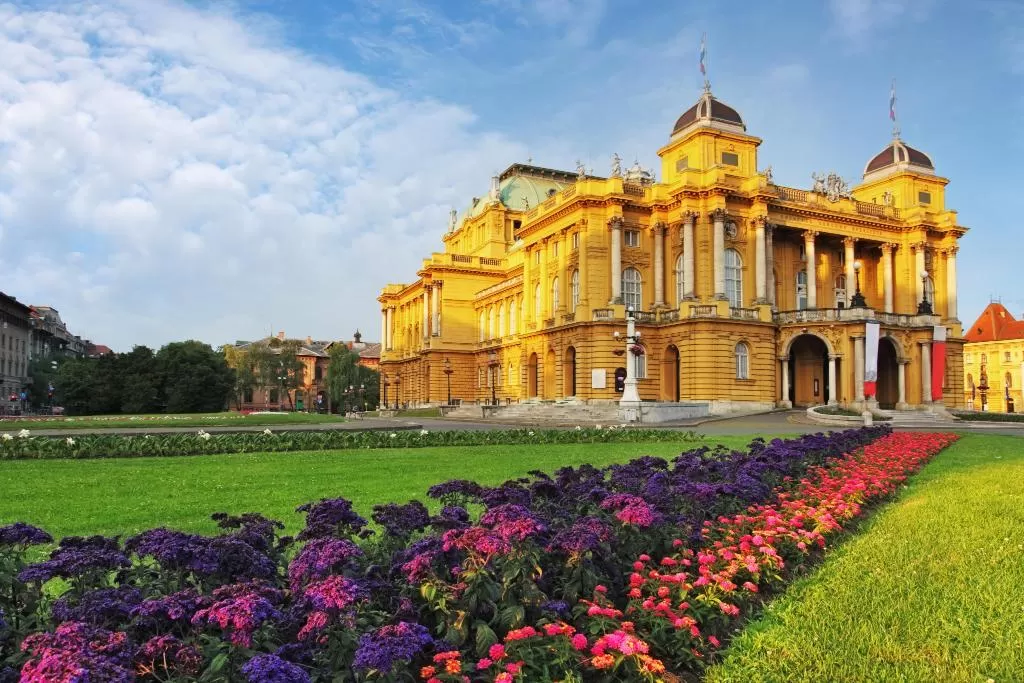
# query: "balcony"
{"type": "Point", "coordinates": [604, 314]}
{"type": "Point", "coordinates": [828, 315]}
{"type": "Point", "coordinates": [568, 318]}
{"type": "Point", "coordinates": [645, 317]}
{"type": "Point", "coordinates": [704, 311]}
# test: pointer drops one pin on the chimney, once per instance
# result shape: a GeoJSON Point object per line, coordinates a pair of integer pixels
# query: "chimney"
{"type": "Point", "coordinates": [280, 335]}
{"type": "Point", "coordinates": [309, 340]}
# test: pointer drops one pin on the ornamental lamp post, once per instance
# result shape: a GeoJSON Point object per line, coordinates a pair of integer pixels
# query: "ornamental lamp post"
{"type": "Point", "coordinates": [925, 308]}
{"type": "Point", "coordinates": [492, 364]}
{"type": "Point", "coordinates": [398, 389]}
{"type": "Point", "coordinates": [630, 396]}
{"type": "Point", "coordinates": [858, 300]}
{"type": "Point", "coordinates": [448, 370]}
{"type": "Point", "coordinates": [385, 380]}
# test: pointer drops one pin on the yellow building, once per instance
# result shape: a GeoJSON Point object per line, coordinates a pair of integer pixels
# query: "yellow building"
{"type": "Point", "coordinates": [994, 362]}
{"type": "Point", "coordinates": [743, 290]}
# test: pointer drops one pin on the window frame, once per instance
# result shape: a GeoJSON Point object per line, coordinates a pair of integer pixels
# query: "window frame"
{"type": "Point", "coordinates": [733, 293]}
{"type": "Point", "coordinates": [574, 284]}
{"type": "Point", "coordinates": [742, 353]}
{"type": "Point", "coordinates": [631, 238]}
{"type": "Point", "coordinates": [633, 297]}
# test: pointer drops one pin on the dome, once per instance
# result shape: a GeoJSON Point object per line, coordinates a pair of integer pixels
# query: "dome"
{"type": "Point", "coordinates": [710, 112]}
{"type": "Point", "coordinates": [899, 156]}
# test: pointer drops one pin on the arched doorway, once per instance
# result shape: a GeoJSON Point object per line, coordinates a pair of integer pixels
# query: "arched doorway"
{"type": "Point", "coordinates": [808, 367]}
{"type": "Point", "coordinates": [569, 373]}
{"type": "Point", "coordinates": [549, 375]}
{"type": "Point", "coordinates": [531, 376]}
{"type": "Point", "coordinates": [670, 374]}
{"type": "Point", "coordinates": [887, 389]}
{"type": "Point", "coordinates": [620, 380]}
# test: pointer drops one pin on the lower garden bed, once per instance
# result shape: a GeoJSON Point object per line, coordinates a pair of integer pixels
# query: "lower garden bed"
{"type": "Point", "coordinates": [630, 572]}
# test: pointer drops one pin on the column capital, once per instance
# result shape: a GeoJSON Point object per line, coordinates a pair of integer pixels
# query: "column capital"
{"type": "Point", "coordinates": [689, 216]}
{"type": "Point", "coordinates": [849, 241]}
{"type": "Point", "coordinates": [924, 342]}
{"type": "Point", "coordinates": [809, 235]}
{"type": "Point", "coordinates": [581, 224]}
{"type": "Point", "coordinates": [856, 337]}
{"type": "Point", "coordinates": [950, 252]}
{"type": "Point", "coordinates": [757, 222]}
{"type": "Point", "coordinates": [889, 247]}
{"type": "Point", "coordinates": [834, 356]}
{"type": "Point", "coordinates": [660, 227]}
{"type": "Point", "coordinates": [919, 246]}
{"type": "Point", "coordinates": [615, 222]}
{"type": "Point", "coordinates": [719, 215]}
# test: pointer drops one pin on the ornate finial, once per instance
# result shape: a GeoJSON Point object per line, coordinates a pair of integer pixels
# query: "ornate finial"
{"type": "Point", "coordinates": [768, 177]}
{"type": "Point", "coordinates": [703, 61]}
{"type": "Point", "coordinates": [581, 170]}
{"type": "Point", "coordinates": [452, 218]}
{"type": "Point", "coordinates": [616, 166]}
{"type": "Point", "coordinates": [526, 203]}
{"type": "Point", "coordinates": [892, 111]}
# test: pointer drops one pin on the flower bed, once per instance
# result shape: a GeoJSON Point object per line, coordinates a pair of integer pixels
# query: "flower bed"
{"type": "Point", "coordinates": [23, 445]}
{"type": "Point", "coordinates": [632, 572]}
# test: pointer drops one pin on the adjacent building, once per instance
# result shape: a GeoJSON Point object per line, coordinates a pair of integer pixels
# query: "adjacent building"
{"type": "Point", "coordinates": [994, 361]}
{"type": "Point", "coordinates": [15, 335]}
{"type": "Point", "coordinates": [747, 294]}
{"type": "Point", "coordinates": [50, 336]}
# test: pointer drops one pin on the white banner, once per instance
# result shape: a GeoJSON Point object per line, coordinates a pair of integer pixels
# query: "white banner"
{"type": "Point", "coordinates": [870, 358]}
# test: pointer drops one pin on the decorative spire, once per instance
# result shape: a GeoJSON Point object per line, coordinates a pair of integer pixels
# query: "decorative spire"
{"type": "Point", "coordinates": [703, 61]}
{"type": "Point", "coordinates": [892, 111]}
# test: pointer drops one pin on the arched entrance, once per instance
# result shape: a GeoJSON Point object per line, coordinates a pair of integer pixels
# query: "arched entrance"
{"type": "Point", "coordinates": [531, 376]}
{"type": "Point", "coordinates": [670, 374]}
{"type": "Point", "coordinates": [549, 375]}
{"type": "Point", "coordinates": [887, 389]}
{"type": "Point", "coordinates": [808, 366]}
{"type": "Point", "coordinates": [569, 373]}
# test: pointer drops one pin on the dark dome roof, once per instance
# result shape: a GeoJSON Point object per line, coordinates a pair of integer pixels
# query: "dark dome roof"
{"type": "Point", "coordinates": [708, 109]}
{"type": "Point", "coordinates": [897, 153]}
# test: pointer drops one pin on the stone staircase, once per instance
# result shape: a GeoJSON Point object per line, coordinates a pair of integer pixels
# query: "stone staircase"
{"type": "Point", "coordinates": [551, 412]}
{"type": "Point", "coordinates": [918, 419]}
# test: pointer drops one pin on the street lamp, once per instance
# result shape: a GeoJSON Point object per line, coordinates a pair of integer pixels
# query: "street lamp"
{"type": "Point", "coordinates": [385, 380]}
{"type": "Point", "coordinates": [983, 388]}
{"type": "Point", "coordinates": [492, 364]}
{"type": "Point", "coordinates": [858, 300]}
{"type": "Point", "coordinates": [925, 308]}
{"type": "Point", "coordinates": [398, 389]}
{"type": "Point", "coordinates": [448, 370]}
{"type": "Point", "coordinates": [630, 395]}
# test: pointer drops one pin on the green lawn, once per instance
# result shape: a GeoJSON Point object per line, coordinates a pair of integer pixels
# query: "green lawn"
{"type": "Point", "coordinates": [930, 589]}
{"type": "Point", "coordinates": [183, 420]}
{"type": "Point", "coordinates": [125, 496]}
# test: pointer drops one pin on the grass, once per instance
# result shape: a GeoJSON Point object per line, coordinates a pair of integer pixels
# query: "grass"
{"type": "Point", "coordinates": [125, 496]}
{"type": "Point", "coordinates": [163, 420]}
{"type": "Point", "coordinates": [930, 589]}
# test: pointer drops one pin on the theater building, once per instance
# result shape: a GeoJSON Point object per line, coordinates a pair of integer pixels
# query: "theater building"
{"type": "Point", "coordinates": [746, 294]}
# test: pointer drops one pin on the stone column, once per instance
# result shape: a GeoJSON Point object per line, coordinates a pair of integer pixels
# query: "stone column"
{"type": "Point", "coordinates": [527, 312]}
{"type": "Point", "coordinates": [918, 269]}
{"type": "Point", "coordinates": [718, 220]}
{"type": "Point", "coordinates": [901, 401]}
{"type": "Point", "coordinates": [390, 324]}
{"type": "Point", "coordinates": [689, 218]}
{"type": "Point", "coordinates": [848, 269]}
{"type": "Point", "coordinates": [384, 328]}
{"type": "Point", "coordinates": [926, 372]}
{"type": "Point", "coordinates": [435, 312]}
{"type": "Point", "coordinates": [564, 289]}
{"type": "Point", "coordinates": [832, 380]}
{"type": "Point", "coordinates": [659, 265]}
{"type": "Point", "coordinates": [616, 261]}
{"type": "Point", "coordinates": [545, 286]}
{"type": "Point", "coordinates": [426, 311]}
{"type": "Point", "coordinates": [858, 369]}
{"type": "Point", "coordinates": [583, 265]}
{"type": "Point", "coordinates": [769, 237]}
{"type": "Point", "coordinates": [887, 282]}
{"type": "Point", "coordinates": [812, 269]}
{"type": "Point", "coordinates": [760, 260]}
{"type": "Point", "coordinates": [951, 282]}
{"type": "Point", "coordinates": [784, 402]}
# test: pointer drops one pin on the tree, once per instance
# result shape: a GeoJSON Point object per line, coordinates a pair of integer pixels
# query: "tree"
{"type": "Point", "coordinates": [281, 368]}
{"type": "Point", "coordinates": [74, 384]}
{"type": "Point", "coordinates": [195, 378]}
{"type": "Point", "coordinates": [246, 362]}
{"type": "Point", "coordinates": [42, 371]}
{"type": "Point", "coordinates": [344, 371]}
{"type": "Point", "coordinates": [141, 388]}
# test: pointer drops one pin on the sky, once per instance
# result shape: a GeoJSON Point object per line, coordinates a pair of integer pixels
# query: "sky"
{"type": "Point", "coordinates": [217, 171]}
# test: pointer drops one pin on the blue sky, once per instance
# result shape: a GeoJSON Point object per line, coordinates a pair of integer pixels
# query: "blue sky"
{"type": "Point", "coordinates": [172, 169]}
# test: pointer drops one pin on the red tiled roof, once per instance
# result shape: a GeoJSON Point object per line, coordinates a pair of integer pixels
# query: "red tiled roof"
{"type": "Point", "coordinates": [995, 324]}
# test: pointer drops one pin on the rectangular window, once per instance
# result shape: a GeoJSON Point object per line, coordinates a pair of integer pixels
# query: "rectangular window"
{"type": "Point", "coordinates": [682, 163]}
{"type": "Point", "coordinates": [1006, 356]}
{"type": "Point", "coordinates": [924, 197]}
{"type": "Point", "coordinates": [632, 238]}
{"type": "Point", "coordinates": [730, 159]}
{"type": "Point", "coordinates": [554, 250]}
{"type": "Point", "coordinates": [575, 241]}
{"type": "Point", "coordinates": [516, 225]}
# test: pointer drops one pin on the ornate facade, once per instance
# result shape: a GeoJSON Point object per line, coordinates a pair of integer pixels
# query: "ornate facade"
{"type": "Point", "coordinates": [994, 362]}
{"type": "Point", "coordinates": [744, 291]}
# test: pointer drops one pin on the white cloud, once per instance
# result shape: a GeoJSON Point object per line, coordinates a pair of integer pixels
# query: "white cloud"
{"type": "Point", "coordinates": [168, 172]}
{"type": "Point", "coordinates": [856, 19]}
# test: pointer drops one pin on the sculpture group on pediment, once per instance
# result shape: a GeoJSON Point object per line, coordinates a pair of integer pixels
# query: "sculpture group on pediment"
{"type": "Point", "coordinates": [832, 186]}
{"type": "Point", "coordinates": [616, 166]}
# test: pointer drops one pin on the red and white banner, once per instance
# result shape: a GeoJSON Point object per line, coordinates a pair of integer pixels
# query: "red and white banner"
{"type": "Point", "coordinates": [870, 358]}
{"type": "Point", "coordinates": [938, 361]}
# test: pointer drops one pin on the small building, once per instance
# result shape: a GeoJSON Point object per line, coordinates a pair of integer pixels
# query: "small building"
{"type": "Point", "coordinates": [994, 361]}
{"type": "Point", "coordinates": [15, 334]}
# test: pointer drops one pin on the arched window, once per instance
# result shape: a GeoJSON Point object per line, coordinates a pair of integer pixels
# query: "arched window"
{"type": "Point", "coordinates": [575, 283]}
{"type": "Point", "coordinates": [512, 317]}
{"type": "Point", "coordinates": [1009, 381]}
{"type": "Point", "coordinates": [632, 291]}
{"type": "Point", "coordinates": [511, 374]}
{"type": "Point", "coordinates": [538, 310]}
{"type": "Point", "coordinates": [801, 290]}
{"type": "Point", "coordinates": [554, 295]}
{"type": "Point", "coordinates": [640, 362]}
{"type": "Point", "coordinates": [490, 324]}
{"type": "Point", "coordinates": [679, 280]}
{"type": "Point", "coordinates": [501, 320]}
{"type": "Point", "coordinates": [742, 361]}
{"type": "Point", "coordinates": [483, 327]}
{"type": "Point", "coordinates": [733, 278]}
{"type": "Point", "coordinates": [522, 309]}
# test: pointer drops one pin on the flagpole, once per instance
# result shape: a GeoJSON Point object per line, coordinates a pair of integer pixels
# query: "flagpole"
{"type": "Point", "coordinates": [703, 61]}
{"type": "Point", "coordinates": [892, 111]}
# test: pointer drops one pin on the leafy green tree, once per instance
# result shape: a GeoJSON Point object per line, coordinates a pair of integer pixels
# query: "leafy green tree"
{"type": "Point", "coordinates": [74, 385]}
{"type": "Point", "coordinates": [141, 387]}
{"type": "Point", "coordinates": [195, 378]}
{"type": "Point", "coordinates": [43, 373]}
{"type": "Point", "coordinates": [344, 371]}
{"type": "Point", "coordinates": [281, 368]}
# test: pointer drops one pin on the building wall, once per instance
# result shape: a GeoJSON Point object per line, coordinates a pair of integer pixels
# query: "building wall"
{"type": "Point", "coordinates": [1000, 358]}
{"type": "Point", "coordinates": [15, 330]}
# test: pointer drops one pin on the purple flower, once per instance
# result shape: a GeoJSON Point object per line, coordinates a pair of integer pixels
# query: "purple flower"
{"type": "Point", "coordinates": [401, 520]}
{"type": "Point", "coordinates": [252, 528]}
{"type": "Point", "coordinates": [330, 517]}
{"type": "Point", "coordinates": [390, 645]}
{"type": "Point", "coordinates": [456, 490]}
{"type": "Point", "coordinates": [22, 534]}
{"type": "Point", "coordinates": [330, 599]}
{"type": "Point", "coordinates": [76, 653]}
{"type": "Point", "coordinates": [171, 609]}
{"type": "Point", "coordinates": [76, 557]}
{"type": "Point", "coordinates": [450, 517]}
{"type": "Point", "coordinates": [106, 607]}
{"type": "Point", "coordinates": [512, 522]}
{"type": "Point", "coordinates": [273, 669]}
{"type": "Point", "coordinates": [239, 610]}
{"type": "Point", "coordinates": [225, 559]}
{"type": "Point", "coordinates": [163, 656]}
{"type": "Point", "coordinates": [320, 558]}
{"type": "Point", "coordinates": [586, 534]}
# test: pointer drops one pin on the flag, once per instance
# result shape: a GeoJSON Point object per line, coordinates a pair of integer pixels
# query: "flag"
{"type": "Point", "coordinates": [871, 331]}
{"type": "Point", "coordinates": [892, 102]}
{"type": "Point", "coordinates": [938, 361]}
{"type": "Point", "coordinates": [703, 53]}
